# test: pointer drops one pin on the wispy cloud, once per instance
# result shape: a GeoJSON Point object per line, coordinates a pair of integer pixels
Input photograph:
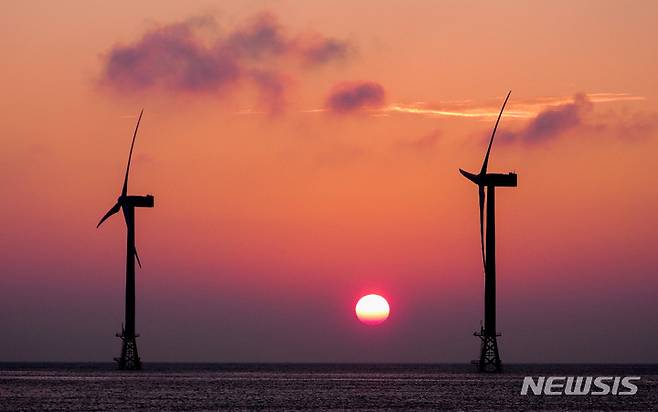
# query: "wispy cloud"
{"type": "Point", "coordinates": [317, 50]}
{"type": "Point", "coordinates": [421, 144]}
{"type": "Point", "coordinates": [192, 57]}
{"type": "Point", "coordinates": [627, 125]}
{"type": "Point", "coordinates": [272, 87]}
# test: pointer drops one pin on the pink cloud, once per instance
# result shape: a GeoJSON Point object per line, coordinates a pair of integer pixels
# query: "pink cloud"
{"type": "Point", "coordinates": [352, 96]}
{"type": "Point", "coordinates": [553, 121]}
{"type": "Point", "coordinates": [176, 58]}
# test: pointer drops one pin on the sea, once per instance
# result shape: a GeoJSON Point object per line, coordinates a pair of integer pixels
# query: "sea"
{"type": "Point", "coordinates": [293, 387]}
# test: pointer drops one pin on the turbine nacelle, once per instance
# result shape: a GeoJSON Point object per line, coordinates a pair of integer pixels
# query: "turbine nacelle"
{"type": "Point", "coordinates": [136, 201]}
{"type": "Point", "coordinates": [491, 179]}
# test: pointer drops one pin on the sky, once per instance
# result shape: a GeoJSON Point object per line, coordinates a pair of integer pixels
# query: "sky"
{"type": "Point", "coordinates": [303, 155]}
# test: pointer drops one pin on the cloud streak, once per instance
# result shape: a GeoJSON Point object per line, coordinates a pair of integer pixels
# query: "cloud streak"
{"type": "Point", "coordinates": [178, 58]}
{"type": "Point", "coordinates": [520, 109]}
{"type": "Point", "coordinates": [517, 109]}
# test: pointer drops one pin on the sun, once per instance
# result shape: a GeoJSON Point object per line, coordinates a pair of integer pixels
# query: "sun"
{"type": "Point", "coordinates": [372, 309]}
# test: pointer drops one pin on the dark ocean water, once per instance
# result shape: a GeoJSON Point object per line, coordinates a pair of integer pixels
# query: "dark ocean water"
{"type": "Point", "coordinates": [173, 387]}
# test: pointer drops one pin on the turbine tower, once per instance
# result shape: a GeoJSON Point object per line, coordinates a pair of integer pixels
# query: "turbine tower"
{"type": "Point", "coordinates": [489, 358]}
{"type": "Point", "coordinates": [129, 359]}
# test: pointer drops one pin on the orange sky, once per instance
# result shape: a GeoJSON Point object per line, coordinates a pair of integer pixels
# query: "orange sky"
{"type": "Point", "coordinates": [275, 210]}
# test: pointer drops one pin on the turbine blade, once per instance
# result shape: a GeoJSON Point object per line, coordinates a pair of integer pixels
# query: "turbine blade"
{"type": "Point", "coordinates": [486, 157]}
{"type": "Point", "coordinates": [125, 216]}
{"type": "Point", "coordinates": [124, 191]}
{"type": "Point", "coordinates": [110, 212]}
{"type": "Point", "coordinates": [138, 261]}
{"type": "Point", "coordinates": [481, 195]}
{"type": "Point", "coordinates": [470, 176]}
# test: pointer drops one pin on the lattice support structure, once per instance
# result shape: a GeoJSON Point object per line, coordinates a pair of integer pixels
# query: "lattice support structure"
{"type": "Point", "coordinates": [489, 358]}
{"type": "Point", "coordinates": [129, 359]}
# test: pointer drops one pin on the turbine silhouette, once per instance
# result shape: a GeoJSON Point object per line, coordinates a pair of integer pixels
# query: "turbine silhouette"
{"type": "Point", "coordinates": [489, 357]}
{"type": "Point", "coordinates": [129, 358]}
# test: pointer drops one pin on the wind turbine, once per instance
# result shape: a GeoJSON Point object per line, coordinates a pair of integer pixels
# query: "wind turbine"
{"type": "Point", "coordinates": [489, 358]}
{"type": "Point", "coordinates": [129, 357]}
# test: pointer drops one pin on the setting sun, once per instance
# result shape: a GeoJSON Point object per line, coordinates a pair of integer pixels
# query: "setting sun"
{"type": "Point", "coordinates": [372, 309]}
